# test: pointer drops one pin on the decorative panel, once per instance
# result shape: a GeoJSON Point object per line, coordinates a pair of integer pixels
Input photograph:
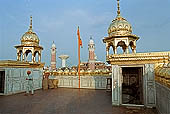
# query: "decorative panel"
{"type": "Point", "coordinates": [16, 79]}
{"type": "Point", "coordinates": [150, 92]}
{"type": "Point", "coordinates": [115, 85]}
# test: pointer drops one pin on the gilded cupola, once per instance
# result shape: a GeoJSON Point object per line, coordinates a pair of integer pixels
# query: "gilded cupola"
{"type": "Point", "coordinates": [30, 38]}
{"type": "Point", "coordinates": [119, 26]}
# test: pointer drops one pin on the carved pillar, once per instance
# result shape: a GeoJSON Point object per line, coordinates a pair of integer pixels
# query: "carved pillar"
{"type": "Point", "coordinates": [127, 49]}
{"type": "Point", "coordinates": [133, 49]}
{"type": "Point", "coordinates": [32, 57]}
{"type": "Point", "coordinates": [39, 57]}
{"type": "Point", "coordinates": [107, 50]}
{"type": "Point", "coordinates": [17, 56]}
{"type": "Point", "coordinates": [26, 57]}
{"type": "Point", "coordinates": [115, 49]}
{"type": "Point", "coordinates": [23, 57]}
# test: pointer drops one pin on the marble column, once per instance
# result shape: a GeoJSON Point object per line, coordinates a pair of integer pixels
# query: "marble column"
{"type": "Point", "coordinates": [39, 58]}
{"type": "Point", "coordinates": [115, 50]}
{"type": "Point", "coordinates": [127, 49]}
{"type": "Point", "coordinates": [107, 51]}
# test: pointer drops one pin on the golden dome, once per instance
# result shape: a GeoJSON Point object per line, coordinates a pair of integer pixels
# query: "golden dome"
{"type": "Point", "coordinates": [66, 70]}
{"type": "Point", "coordinates": [59, 71]}
{"type": "Point", "coordinates": [119, 26]}
{"type": "Point", "coordinates": [30, 38]}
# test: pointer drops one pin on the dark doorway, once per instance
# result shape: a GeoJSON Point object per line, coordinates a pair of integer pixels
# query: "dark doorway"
{"type": "Point", "coordinates": [2, 81]}
{"type": "Point", "coordinates": [132, 86]}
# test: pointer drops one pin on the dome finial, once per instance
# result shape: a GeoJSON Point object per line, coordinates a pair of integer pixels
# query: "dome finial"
{"type": "Point", "coordinates": [30, 29]}
{"type": "Point", "coordinates": [91, 37]}
{"type": "Point", "coordinates": [118, 7]}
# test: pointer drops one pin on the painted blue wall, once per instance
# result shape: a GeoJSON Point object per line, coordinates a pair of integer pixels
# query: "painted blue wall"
{"type": "Point", "coordinates": [15, 79]}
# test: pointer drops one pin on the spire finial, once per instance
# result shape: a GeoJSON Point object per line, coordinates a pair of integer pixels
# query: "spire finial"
{"type": "Point", "coordinates": [91, 37]}
{"type": "Point", "coordinates": [30, 29]}
{"type": "Point", "coordinates": [118, 7]}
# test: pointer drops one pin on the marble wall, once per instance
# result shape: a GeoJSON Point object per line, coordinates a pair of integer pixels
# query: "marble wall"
{"type": "Point", "coordinates": [89, 82]}
{"type": "Point", "coordinates": [15, 79]}
{"type": "Point", "coordinates": [162, 98]}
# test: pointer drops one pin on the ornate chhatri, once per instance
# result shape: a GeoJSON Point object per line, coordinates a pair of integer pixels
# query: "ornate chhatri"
{"type": "Point", "coordinates": [133, 69]}
{"type": "Point", "coordinates": [29, 44]}
{"type": "Point", "coordinates": [120, 34]}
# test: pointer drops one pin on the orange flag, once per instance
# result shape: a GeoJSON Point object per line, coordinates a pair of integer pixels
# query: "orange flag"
{"type": "Point", "coordinates": [79, 39]}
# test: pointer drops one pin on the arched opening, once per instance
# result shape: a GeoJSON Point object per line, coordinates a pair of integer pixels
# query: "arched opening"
{"type": "Point", "coordinates": [120, 50]}
{"type": "Point", "coordinates": [121, 47]}
{"type": "Point", "coordinates": [133, 47]}
{"type": "Point", "coordinates": [36, 56]}
{"type": "Point", "coordinates": [28, 55]}
{"type": "Point", "coordinates": [111, 50]}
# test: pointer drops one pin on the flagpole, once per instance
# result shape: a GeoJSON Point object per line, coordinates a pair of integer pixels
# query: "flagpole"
{"type": "Point", "coordinates": [79, 58]}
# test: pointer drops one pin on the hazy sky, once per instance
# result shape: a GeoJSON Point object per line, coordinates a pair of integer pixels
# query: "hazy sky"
{"type": "Point", "coordinates": [57, 20]}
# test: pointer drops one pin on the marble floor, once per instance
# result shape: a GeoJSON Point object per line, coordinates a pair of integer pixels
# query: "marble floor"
{"type": "Point", "coordinates": [65, 101]}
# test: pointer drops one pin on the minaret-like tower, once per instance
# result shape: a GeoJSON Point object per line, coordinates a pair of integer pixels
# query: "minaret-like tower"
{"type": "Point", "coordinates": [91, 48]}
{"type": "Point", "coordinates": [53, 56]}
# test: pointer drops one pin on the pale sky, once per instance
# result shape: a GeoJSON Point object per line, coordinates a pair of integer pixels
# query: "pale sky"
{"type": "Point", "coordinates": [57, 20]}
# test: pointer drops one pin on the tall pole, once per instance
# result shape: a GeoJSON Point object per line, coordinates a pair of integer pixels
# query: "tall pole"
{"type": "Point", "coordinates": [79, 61]}
{"type": "Point", "coordinates": [79, 43]}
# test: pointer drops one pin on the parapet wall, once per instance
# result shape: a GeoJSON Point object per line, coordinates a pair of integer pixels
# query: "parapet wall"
{"type": "Point", "coordinates": [162, 98]}
{"type": "Point", "coordinates": [162, 75]}
{"type": "Point", "coordinates": [15, 79]}
{"type": "Point", "coordinates": [89, 82]}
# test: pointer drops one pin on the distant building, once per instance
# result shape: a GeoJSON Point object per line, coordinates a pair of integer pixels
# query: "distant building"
{"type": "Point", "coordinates": [92, 63]}
{"type": "Point", "coordinates": [53, 57]}
{"type": "Point", "coordinates": [92, 56]}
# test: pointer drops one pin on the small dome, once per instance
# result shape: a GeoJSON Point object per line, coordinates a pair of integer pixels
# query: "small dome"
{"type": "Point", "coordinates": [59, 70]}
{"type": "Point", "coordinates": [91, 41]}
{"type": "Point", "coordinates": [30, 38]}
{"type": "Point", "coordinates": [73, 71]}
{"type": "Point", "coordinates": [66, 70]}
{"type": "Point", "coordinates": [119, 26]}
{"type": "Point", "coordinates": [53, 45]}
